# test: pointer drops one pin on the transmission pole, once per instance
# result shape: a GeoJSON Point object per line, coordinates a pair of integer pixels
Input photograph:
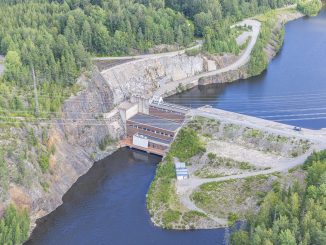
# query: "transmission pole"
{"type": "Point", "coordinates": [35, 93]}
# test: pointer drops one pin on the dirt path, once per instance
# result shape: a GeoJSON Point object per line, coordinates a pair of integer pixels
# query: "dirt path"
{"type": "Point", "coordinates": [242, 153]}
{"type": "Point", "coordinates": [186, 187]}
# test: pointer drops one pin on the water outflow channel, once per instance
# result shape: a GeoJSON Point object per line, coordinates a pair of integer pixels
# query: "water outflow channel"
{"type": "Point", "coordinates": [108, 204]}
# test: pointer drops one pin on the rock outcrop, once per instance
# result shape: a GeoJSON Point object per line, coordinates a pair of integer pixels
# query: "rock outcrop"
{"type": "Point", "coordinates": [77, 136]}
{"type": "Point", "coordinates": [143, 77]}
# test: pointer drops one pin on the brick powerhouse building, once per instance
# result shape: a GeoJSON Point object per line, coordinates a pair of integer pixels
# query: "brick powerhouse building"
{"type": "Point", "coordinates": [168, 111]}
{"type": "Point", "coordinates": [150, 131]}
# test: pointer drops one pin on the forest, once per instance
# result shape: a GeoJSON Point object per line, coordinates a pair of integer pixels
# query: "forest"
{"type": "Point", "coordinates": [14, 226]}
{"type": "Point", "coordinates": [57, 38]}
{"type": "Point", "coordinates": [310, 8]}
{"type": "Point", "coordinates": [290, 216]}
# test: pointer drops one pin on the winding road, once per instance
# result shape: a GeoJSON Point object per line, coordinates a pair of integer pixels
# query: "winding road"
{"type": "Point", "coordinates": [243, 59]}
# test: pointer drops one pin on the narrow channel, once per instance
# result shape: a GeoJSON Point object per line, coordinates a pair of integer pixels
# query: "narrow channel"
{"type": "Point", "coordinates": [108, 204]}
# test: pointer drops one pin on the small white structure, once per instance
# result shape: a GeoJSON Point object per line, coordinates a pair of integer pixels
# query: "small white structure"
{"type": "Point", "coordinates": [181, 170]}
{"type": "Point", "coordinates": [140, 140]}
{"type": "Point", "coordinates": [179, 165]}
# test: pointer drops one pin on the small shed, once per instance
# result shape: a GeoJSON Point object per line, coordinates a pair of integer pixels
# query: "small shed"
{"type": "Point", "coordinates": [181, 170]}
{"type": "Point", "coordinates": [182, 174]}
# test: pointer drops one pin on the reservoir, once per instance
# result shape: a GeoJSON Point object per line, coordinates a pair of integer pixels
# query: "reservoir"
{"type": "Point", "coordinates": [291, 91]}
{"type": "Point", "coordinates": [108, 204]}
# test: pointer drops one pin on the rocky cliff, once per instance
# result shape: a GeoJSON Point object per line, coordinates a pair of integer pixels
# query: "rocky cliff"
{"type": "Point", "coordinates": [88, 119]}
{"type": "Point", "coordinates": [143, 77]}
{"type": "Point", "coordinates": [77, 136]}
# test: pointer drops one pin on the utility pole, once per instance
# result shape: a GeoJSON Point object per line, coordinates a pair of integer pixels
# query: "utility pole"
{"type": "Point", "coordinates": [35, 94]}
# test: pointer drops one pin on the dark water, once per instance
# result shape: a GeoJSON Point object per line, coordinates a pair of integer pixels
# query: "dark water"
{"type": "Point", "coordinates": [107, 205]}
{"type": "Point", "coordinates": [292, 91]}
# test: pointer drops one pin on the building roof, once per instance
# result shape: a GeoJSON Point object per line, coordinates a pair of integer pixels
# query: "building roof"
{"type": "Point", "coordinates": [169, 106]}
{"type": "Point", "coordinates": [154, 139]}
{"type": "Point", "coordinates": [182, 173]}
{"type": "Point", "coordinates": [156, 122]}
{"type": "Point", "coordinates": [181, 170]}
{"type": "Point", "coordinates": [179, 165]}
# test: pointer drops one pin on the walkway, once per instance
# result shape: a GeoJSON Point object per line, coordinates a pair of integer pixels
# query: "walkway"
{"type": "Point", "coordinates": [316, 136]}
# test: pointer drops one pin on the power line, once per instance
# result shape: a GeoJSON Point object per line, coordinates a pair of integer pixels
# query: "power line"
{"type": "Point", "coordinates": [285, 110]}
{"type": "Point", "coordinates": [260, 97]}
{"type": "Point", "coordinates": [295, 115]}
{"type": "Point", "coordinates": [245, 101]}
{"type": "Point", "coordinates": [35, 93]}
{"type": "Point", "coordinates": [256, 95]}
{"type": "Point", "coordinates": [88, 121]}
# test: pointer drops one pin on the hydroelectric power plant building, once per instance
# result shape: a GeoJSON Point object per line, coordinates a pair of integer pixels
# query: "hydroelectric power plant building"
{"type": "Point", "coordinates": [152, 126]}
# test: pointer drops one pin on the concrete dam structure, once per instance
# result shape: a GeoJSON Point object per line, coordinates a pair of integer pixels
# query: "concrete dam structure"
{"type": "Point", "coordinates": [152, 125]}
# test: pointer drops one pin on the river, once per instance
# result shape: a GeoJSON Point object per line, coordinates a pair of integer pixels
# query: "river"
{"type": "Point", "coordinates": [108, 204]}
